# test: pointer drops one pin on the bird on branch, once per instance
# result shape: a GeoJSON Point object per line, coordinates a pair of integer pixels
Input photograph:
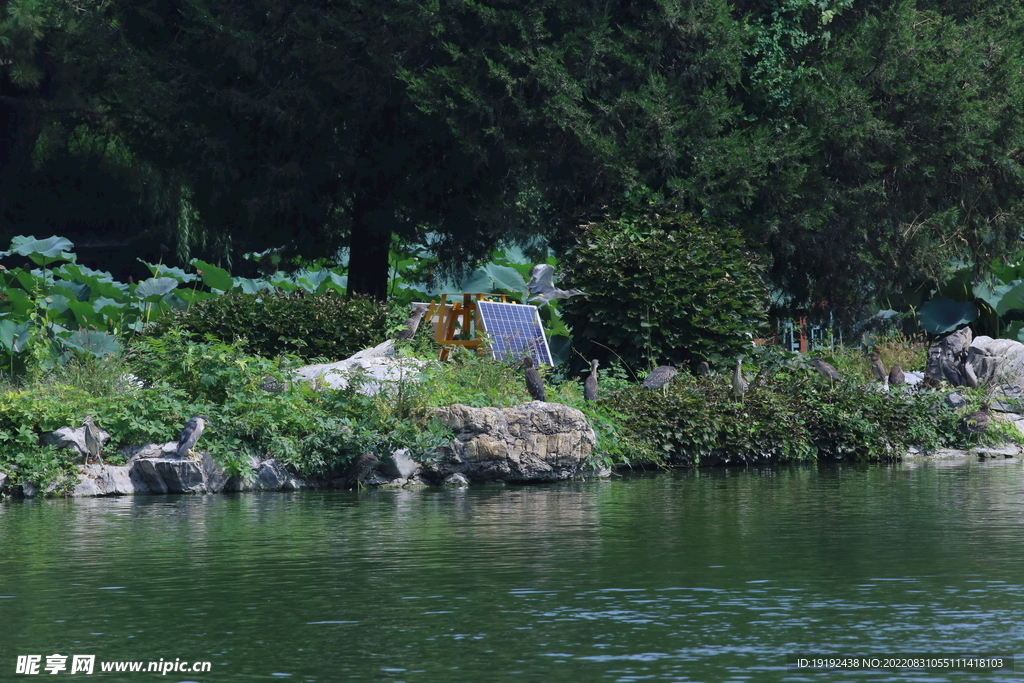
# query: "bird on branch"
{"type": "Point", "coordinates": [543, 289]}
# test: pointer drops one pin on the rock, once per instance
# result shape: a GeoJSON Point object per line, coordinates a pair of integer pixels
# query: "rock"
{"type": "Point", "coordinates": [1010, 450]}
{"type": "Point", "coordinates": [535, 441]}
{"type": "Point", "coordinates": [273, 476]}
{"type": "Point", "coordinates": [956, 401]}
{"type": "Point", "coordinates": [998, 362]}
{"type": "Point", "coordinates": [29, 490]}
{"type": "Point", "coordinates": [151, 450]}
{"type": "Point", "coordinates": [72, 439]}
{"type": "Point", "coordinates": [399, 465]}
{"type": "Point", "coordinates": [373, 368]}
{"type": "Point", "coordinates": [108, 480]}
{"type": "Point", "coordinates": [457, 479]}
{"type": "Point", "coordinates": [3, 482]}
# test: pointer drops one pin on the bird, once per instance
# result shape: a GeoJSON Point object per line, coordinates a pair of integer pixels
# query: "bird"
{"type": "Point", "coordinates": [976, 422]}
{"type": "Point", "coordinates": [590, 386]}
{"type": "Point", "coordinates": [413, 323]}
{"type": "Point", "coordinates": [93, 439]}
{"type": "Point", "coordinates": [877, 367]}
{"type": "Point", "coordinates": [739, 384]}
{"type": "Point", "coordinates": [703, 369]}
{"type": "Point", "coordinates": [534, 382]}
{"type": "Point", "coordinates": [824, 369]}
{"type": "Point", "coordinates": [190, 435]}
{"type": "Point", "coordinates": [543, 289]}
{"type": "Point", "coordinates": [896, 376]}
{"type": "Point", "coordinates": [659, 377]}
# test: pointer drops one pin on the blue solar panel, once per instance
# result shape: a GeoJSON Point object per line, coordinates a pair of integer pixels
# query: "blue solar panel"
{"type": "Point", "coordinates": [513, 331]}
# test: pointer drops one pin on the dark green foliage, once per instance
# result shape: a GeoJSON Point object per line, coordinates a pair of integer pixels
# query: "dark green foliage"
{"type": "Point", "coordinates": [274, 323]}
{"type": "Point", "coordinates": [790, 418]}
{"type": "Point", "coordinates": [663, 289]}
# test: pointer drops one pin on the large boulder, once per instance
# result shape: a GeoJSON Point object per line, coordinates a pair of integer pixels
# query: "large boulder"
{"type": "Point", "coordinates": [997, 361]}
{"type": "Point", "coordinates": [531, 442]}
{"type": "Point", "coordinates": [373, 368]}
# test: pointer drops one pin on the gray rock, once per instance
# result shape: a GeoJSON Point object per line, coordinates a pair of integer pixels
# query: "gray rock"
{"type": "Point", "coordinates": [72, 439]}
{"type": "Point", "coordinates": [373, 368]}
{"type": "Point", "coordinates": [457, 479]}
{"type": "Point", "coordinates": [956, 401]}
{"type": "Point", "coordinates": [151, 450]}
{"type": "Point", "coordinates": [273, 476]}
{"type": "Point", "coordinates": [29, 490]}
{"type": "Point", "coordinates": [399, 465]}
{"type": "Point", "coordinates": [998, 362]}
{"type": "Point", "coordinates": [535, 441]}
{"type": "Point", "coordinates": [108, 480]}
{"type": "Point", "coordinates": [3, 482]}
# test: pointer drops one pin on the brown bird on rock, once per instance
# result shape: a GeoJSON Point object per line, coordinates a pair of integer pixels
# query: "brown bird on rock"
{"type": "Point", "coordinates": [896, 376]}
{"type": "Point", "coordinates": [976, 422]}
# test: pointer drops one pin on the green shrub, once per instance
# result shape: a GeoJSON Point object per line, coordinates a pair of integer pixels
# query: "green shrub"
{"type": "Point", "coordinates": [274, 323]}
{"type": "Point", "coordinates": [792, 416]}
{"type": "Point", "coordinates": [663, 289]}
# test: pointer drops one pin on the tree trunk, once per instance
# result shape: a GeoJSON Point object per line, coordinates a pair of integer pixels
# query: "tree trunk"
{"type": "Point", "coordinates": [368, 252]}
{"type": "Point", "coordinates": [21, 122]}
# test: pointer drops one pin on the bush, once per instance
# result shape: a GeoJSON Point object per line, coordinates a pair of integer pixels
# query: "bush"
{"type": "Point", "coordinates": [663, 289]}
{"type": "Point", "coordinates": [793, 416]}
{"type": "Point", "coordinates": [274, 323]}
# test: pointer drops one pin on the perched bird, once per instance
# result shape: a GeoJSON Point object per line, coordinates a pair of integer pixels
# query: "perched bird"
{"type": "Point", "coordinates": [877, 367]}
{"type": "Point", "coordinates": [659, 377]}
{"type": "Point", "coordinates": [534, 382]}
{"type": "Point", "coordinates": [190, 435]}
{"type": "Point", "coordinates": [824, 369]}
{"type": "Point", "coordinates": [93, 440]}
{"type": "Point", "coordinates": [976, 422]}
{"type": "Point", "coordinates": [896, 376]}
{"type": "Point", "coordinates": [590, 386]}
{"type": "Point", "coordinates": [543, 289]}
{"type": "Point", "coordinates": [413, 322]}
{"type": "Point", "coordinates": [703, 369]}
{"type": "Point", "coordinates": [739, 384]}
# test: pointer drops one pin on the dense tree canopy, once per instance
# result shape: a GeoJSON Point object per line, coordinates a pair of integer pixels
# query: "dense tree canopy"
{"type": "Point", "coordinates": [857, 144]}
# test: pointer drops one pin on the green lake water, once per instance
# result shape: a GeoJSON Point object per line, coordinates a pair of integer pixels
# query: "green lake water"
{"type": "Point", "coordinates": [691, 576]}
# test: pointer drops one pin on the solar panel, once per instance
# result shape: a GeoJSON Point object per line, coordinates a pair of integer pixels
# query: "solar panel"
{"type": "Point", "coordinates": [514, 331]}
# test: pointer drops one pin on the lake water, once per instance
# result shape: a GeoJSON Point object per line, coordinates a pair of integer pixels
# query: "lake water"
{"type": "Point", "coordinates": [714, 575]}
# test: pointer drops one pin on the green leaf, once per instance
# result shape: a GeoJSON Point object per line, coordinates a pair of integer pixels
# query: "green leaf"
{"type": "Point", "coordinates": [213, 276]}
{"type": "Point", "coordinates": [155, 287]}
{"type": "Point", "coordinates": [98, 344]}
{"type": "Point", "coordinates": [14, 335]}
{"type": "Point", "coordinates": [941, 315]}
{"type": "Point", "coordinates": [41, 252]}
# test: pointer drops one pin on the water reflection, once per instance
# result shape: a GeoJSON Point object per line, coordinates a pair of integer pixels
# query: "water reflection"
{"type": "Point", "coordinates": [714, 575]}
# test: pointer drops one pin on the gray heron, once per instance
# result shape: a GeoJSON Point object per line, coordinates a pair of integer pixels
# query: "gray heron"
{"type": "Point", "coordinates": [824, 369]}
{"type": "Point", "coordinates": [93, 438]}
{"type": "Point", "coordinates": [590, 386]}
{"type": "Point", "coordinates": [190, 435]}
{"type": "Point", "coordinates": [660, 377]}
{"type": "Point", "coordinates": [534, 382]}
{"type": "Point", "coordinates": [543, 289]}
{"type": "Point", "coordinates": [739, 384]}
